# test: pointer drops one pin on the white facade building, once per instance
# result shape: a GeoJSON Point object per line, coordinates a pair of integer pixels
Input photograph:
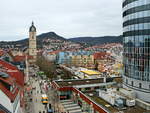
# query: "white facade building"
{"type": "Point", "coordinates": [7, 105]}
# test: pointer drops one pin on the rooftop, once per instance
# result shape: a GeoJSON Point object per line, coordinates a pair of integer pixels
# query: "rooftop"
{"type": "Point", "coordinates": [113, 109]}
{"type": "Point", "coordinates": [5, 84]}
{"type": "Point", "coordinates": [101, 55]}
{"type": "Point", "coordinates": [90, 72]}
{"type": "Point", "coordinates": [12, 71]}
{"type": "Point", "coordinates": [68, 83]}
{"type": "Point", "coordinates": [21, 58]}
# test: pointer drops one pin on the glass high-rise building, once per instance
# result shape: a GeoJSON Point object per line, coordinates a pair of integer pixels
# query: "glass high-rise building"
{"type": "Point", "coordinates": [136, 39]}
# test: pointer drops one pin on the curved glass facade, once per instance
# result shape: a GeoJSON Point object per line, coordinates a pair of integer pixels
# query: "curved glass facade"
{"type": "Point", "coordinates": [136, 33]}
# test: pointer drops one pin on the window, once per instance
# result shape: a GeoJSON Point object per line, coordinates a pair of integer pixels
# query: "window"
{"type": "Point", "coordinates": [140, 85]}
{"type": "Point", "coordinates": [137, 22]}
{"type": "Point", "coordinates": [127, 2]}
{"type": "Point", "coordinates": [126, 81]}
{"type": "Point", "coordinates": [84, 60]}
{"type": "Point", "coordinates": [88, 88]}
{"type": "Point", "coordinates": [132, 83]}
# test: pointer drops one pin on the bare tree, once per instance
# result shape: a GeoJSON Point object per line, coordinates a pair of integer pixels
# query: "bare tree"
{"type": "Point", "coordinates": [49, 68]}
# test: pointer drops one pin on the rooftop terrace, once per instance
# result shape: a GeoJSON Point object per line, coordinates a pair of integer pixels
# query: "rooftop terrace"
{"type": "Point", "coordinates": [69, 83]}
{"type": "Point", "coordinates": [113, 109]}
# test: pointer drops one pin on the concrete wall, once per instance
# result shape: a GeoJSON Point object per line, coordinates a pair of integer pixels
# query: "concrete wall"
{"type": "Point", "coordinates": [142, 93]}
{"type": "Point", "coordinates": [12, 107]}
{"type": "Point", "coordinates": [16, 104]}
{"type": "Point", "coordinates": [143, 104]}
{"type": "Point", "coordinates": [5, 101]}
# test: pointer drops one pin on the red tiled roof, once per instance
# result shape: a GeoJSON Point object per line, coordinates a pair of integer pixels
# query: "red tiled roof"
{"type": "Point", "coordinates": [104, 46]}
{"type": "Point", "coordinates": [13, 72]}
{"type": "Point", "coordinates": [2, 111]}
{"type": "Point", "coordinates": [54, 52]}
{"type": "Point", "coordinates": [11, 94]}
{"type": "Point", "coordinates": [101, 55]}
{"type": "Point", "coordinates": [21, 58]}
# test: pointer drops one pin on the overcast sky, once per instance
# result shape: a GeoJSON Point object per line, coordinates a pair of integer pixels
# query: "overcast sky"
{"type": "Point", "coordinates": [68, 18]}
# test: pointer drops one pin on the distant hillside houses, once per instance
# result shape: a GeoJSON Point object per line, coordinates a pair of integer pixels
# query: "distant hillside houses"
{"type": "Point", "coordinates": [55, 44]}
{"type": "Point", "coordinates": [98, 40]}
{"type": "Point", "coordinates": [101, 58]}
{"type": "Point", "coordinates": [50, 41]}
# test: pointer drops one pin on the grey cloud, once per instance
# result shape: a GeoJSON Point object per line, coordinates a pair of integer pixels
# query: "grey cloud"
{"type": "Point", "coordinates": [69, 18]}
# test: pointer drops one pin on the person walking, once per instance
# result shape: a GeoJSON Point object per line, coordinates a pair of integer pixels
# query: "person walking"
{"type": "Point", "coordinates": [36, 99]}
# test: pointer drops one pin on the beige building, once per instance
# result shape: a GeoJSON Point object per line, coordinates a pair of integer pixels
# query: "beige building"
{"type": "Point", "coordinates": [17, 52]}
{"type": "Point", "coordinates": [32, 42]}
{"type": "Point", "coordinates": [86, 61]}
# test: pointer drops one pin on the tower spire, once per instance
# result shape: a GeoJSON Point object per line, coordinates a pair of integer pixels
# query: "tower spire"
{"type": "Point", "coordinates": [32, 23]}
{"type": "Point", "coordinates": [32, 28]}
{"type": "Point", "coordinates": [32, 42]}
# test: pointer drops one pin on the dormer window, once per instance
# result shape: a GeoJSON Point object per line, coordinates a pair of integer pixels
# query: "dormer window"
{"type": "Point", "coordinates": [7, 86]}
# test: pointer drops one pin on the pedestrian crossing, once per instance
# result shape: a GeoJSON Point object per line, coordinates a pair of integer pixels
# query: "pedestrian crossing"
{"type": "Point", "coordinates": [71, 107]}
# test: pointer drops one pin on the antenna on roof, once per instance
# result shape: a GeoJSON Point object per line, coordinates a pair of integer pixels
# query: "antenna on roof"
{"type": "Point", "coordinates": [32, 23]}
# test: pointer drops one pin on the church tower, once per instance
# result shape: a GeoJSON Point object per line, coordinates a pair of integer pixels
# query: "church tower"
{"type": "Point", "coordinates": [32, 42]}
